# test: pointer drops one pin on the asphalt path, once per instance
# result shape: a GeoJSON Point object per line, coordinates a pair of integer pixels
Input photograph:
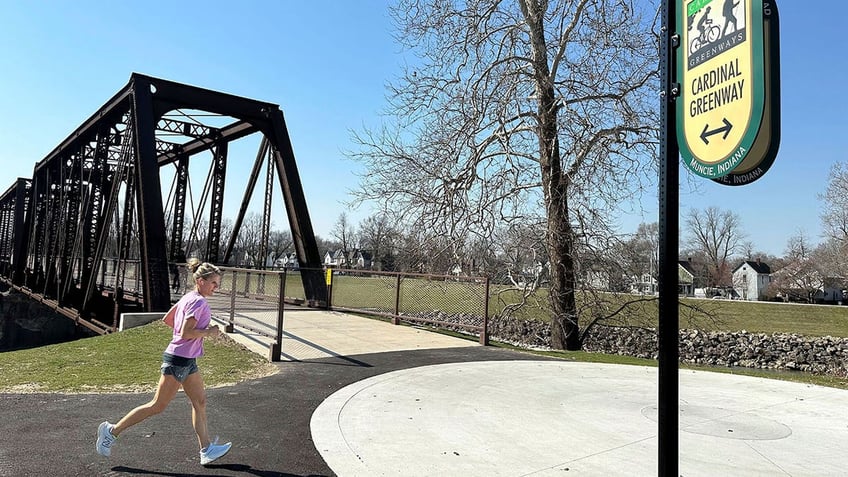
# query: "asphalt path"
{"type": "Point", "coordinates": [268, 421]}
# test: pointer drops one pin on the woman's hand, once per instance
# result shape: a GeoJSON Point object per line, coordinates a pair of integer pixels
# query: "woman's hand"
{"type": "Point", "coordinates": [190, 331]}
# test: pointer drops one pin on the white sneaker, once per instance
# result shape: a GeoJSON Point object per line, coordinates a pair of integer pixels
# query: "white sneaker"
{"type": "Point", "coordinates": [214, 452]}
{"type": "Point", "coordinates": [105, 439]}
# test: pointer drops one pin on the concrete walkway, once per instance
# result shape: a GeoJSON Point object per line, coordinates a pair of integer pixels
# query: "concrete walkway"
{"type": "Point", "coordinates": [314, 334]}
{"type": "Point", "coordinates": [521, 418]}
{"type": "Point", "coordinates": [554, 418]}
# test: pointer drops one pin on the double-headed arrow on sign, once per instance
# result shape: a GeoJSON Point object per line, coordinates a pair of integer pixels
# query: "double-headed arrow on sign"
{"type": "Point", "coordinates": [725, 129]}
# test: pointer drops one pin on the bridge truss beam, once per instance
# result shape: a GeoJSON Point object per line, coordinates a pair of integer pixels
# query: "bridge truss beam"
{"type": "Point", "coordinates": [89, 229]}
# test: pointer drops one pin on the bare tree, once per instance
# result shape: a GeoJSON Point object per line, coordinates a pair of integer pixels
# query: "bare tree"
{"type": "Point", "coordinates": [377, 235]}
{"type": "Point", "coordinates": [514, 109]}
{"type": "Point", "coordinates": [411, 256]}
{"type": "Point", "coordinates": [747, 250]}
{"type": "Point", "coordinates": [798, 246]}
{"type": "Point", "coordinates": [834, 261]}
{"type": "Point", "coordinates": [197, 238]}
{"type": "Point", "coordinates": [835, 211]}
{"type": "Point", "coordinates": [521, 247]}
{"type": "Point", "coordinates": [279, 243]}
{"type": "Point", "coordinates": [639, 256]}
{"type": "Point", "coordinates": [226, 232]}
{"type": "Point", "coordinates": [835, 218]}
{"type": "Point", "coordinates": [719, 236]}
{"type": "Point", "coordinates": [803, 276]}
{"type": "Point", "coordinates": [344, 232]}
{"type": "Point", "coordinates": [248, 241]}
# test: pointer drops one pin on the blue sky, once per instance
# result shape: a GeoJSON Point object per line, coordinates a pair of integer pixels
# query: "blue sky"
{"type": "Point", "coordinates": [327, 63]}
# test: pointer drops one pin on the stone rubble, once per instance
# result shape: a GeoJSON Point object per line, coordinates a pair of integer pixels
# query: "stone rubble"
{"type": "Point", "coordinates": [777, 351]}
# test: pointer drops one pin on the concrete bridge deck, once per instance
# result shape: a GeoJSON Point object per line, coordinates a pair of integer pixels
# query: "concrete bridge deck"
{"type": "Point", "coordinates": [313, 334]}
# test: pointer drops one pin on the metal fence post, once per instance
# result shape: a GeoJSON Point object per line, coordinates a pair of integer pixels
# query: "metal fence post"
{"type": "Point", "coordinates": [396, 317]}
{"type": "Point", "coordinates": [231, 325]}
{"type": "Point", "coordinates": [484, 333]}
{"type": "Point", "coordinates": [329, 282]}
{"type": "Point", "coordinates": [277, 347]}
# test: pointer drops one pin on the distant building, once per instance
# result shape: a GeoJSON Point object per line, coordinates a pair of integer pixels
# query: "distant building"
{"type": "Point", "coordinates": [751, 279]}
{"type": "Point", "coordinates": [798, 281]}
{"type": "Point", "coordinates": [643, 284]}
{"type": "Point", "coordinates": [288, 260]}
{"type": "Point", "coordinates": [358, 259]}
{"type": "Point", "coordinates": [685, 278]}
{"type": "Point", "coordinates": [361, 260]}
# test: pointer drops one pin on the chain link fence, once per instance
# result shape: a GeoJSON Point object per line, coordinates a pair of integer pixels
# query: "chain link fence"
{"type": "Point", "coordinates": [252, 300]}
{"type": "Point", "coordinates": [450, 302]}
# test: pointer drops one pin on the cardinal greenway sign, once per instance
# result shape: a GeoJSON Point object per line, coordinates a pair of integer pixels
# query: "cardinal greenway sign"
{"type": "Point", "coordinates": [726, 114]}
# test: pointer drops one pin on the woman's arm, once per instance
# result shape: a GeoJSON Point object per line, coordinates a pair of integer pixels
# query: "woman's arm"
{"type": "Point", "coordinates": [190, 330]}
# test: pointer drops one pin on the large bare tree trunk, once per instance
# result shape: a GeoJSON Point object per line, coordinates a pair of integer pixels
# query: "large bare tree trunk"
{"type": "Point", "coordinates": [565, 329]}
{"type": "Point", "coordinates": [565, 332]}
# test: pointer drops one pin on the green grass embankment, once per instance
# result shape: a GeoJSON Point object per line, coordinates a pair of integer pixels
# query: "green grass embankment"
{"type": "Point", "coordinates": [127, 361]}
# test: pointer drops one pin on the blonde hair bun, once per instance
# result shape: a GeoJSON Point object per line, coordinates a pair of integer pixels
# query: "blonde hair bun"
{"type": "Point", "coordinates": [200, 269]}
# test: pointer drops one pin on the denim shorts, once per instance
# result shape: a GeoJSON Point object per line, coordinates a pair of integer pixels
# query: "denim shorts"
{"type": "Point", "coordinates": [178, 366]}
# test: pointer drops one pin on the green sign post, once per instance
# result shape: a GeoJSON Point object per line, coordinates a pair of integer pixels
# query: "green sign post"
{"type": "Point", "coordinates": [728, 70]}
{"type": "Point", "coordinates": [720, 112]}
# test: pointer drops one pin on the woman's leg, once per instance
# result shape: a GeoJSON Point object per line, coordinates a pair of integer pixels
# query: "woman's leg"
{"type": "Point", "coordinates": [196, 392]}
{"type": "Point", "coordinates": [165, 392]}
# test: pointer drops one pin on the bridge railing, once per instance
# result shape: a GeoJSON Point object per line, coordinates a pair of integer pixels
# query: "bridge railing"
{"type": "Point", "coordinates": [254, 300]}
{"type": "Point", "coordinates": [130, 277]}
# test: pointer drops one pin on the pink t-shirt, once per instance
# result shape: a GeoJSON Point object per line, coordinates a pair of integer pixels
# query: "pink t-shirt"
{"type": "Point", "coordinates": [191, 304]}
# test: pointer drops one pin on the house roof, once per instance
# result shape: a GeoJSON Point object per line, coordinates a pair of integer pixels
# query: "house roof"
{"type": "Point", "coordinates": [687, 267]}
{"type": "Point", "coordinates": [757, 266]}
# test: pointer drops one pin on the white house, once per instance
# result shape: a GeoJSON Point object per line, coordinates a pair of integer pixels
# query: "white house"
{"type": "Point", "coordinates": [288, 260]}
{"type": "Point", "coordinates": [750, 280]}
{"type": "Point", "coordinates": [357, 258]}
{"type": "Point", "coordinates": [361, 259]}
{"type": "Point", "coordinates": [643, 284]}
{"type": "Point", "coordinates": [337, 258]}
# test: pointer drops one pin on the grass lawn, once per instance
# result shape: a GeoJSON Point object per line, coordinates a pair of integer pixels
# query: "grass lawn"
{"type": "Point", "coordinates": [728, 315]}
{"type": "Point", "coordinates": [765, 317]}
{"type": "Point", "coordinates": [126, 361]}
{"type": "Point", "coordinates": [416, 294]}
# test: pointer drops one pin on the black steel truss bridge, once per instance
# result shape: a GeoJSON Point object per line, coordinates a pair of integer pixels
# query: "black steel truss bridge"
{"type": "Point", "coordinates": [93, 233]}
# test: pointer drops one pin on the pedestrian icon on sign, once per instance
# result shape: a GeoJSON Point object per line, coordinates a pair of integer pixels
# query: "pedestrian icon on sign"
{"type": "Point", "coordinates": [729, 17]}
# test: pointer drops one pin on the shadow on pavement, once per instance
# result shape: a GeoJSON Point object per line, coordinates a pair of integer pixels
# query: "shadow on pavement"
{"type": "Point", "coordinates": [246, 469]}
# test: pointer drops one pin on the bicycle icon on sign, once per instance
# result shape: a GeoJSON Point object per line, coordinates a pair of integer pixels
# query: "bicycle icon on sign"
{"type": "Point", "coordinates": [709, 34]}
